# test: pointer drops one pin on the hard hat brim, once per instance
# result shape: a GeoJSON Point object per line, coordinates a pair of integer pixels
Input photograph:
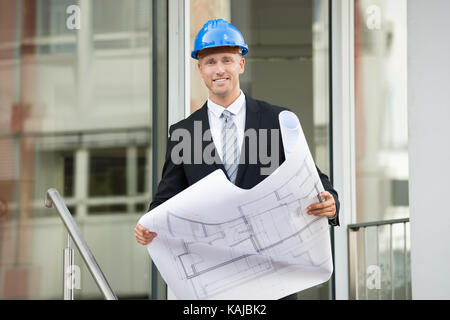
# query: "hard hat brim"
{"type": "Point", "coordinates": [194, 53]}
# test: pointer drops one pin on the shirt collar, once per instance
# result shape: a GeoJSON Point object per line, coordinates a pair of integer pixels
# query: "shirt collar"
{"type": "Point", "coordinates": [235, 108]}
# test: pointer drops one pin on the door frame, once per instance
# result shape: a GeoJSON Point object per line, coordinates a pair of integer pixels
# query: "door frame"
{"type": "Point", "coordinates": [343, 135]}
{"type": "Point", "coordinates": [342, 114]}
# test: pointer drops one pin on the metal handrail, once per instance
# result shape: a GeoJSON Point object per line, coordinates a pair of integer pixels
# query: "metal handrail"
{"type": "Point", "coordinates": [54, 199]}
{"type": "Point", "coordinates": [353, 264]}
{"type": "Point", "coordinates": [356, 226]}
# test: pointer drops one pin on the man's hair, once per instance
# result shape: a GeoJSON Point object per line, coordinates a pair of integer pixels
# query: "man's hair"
{"type": "Point", "coordinates": [207, 51]}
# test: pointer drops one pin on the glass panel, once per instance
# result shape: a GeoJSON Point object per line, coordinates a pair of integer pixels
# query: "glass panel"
{"type": "Point", "coordinates": [381, 110]}
{"type": "Point", "coordinates": [361, 264]}
{"type": "Point", "coordinates": [77, 112]}
{"type": "Point", "coordinates": [383, 263]}
{"type": "Point", "coordinates": [382, 145]}
{"type": "Point", "coordinates": [401, 262]}
{"type": "Point", "coordinates": [287, 65]}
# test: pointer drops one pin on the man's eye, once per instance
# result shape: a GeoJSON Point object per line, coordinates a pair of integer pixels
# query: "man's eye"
{"type": "Point", "coordinates": [210, 62]}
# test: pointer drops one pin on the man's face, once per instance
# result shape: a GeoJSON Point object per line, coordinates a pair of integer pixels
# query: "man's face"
{"type": "Point", "coordinates": [220, 69]}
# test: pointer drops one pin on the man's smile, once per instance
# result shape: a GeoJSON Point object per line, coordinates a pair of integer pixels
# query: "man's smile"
{"type": "Point", "coordinates": [221, 79]}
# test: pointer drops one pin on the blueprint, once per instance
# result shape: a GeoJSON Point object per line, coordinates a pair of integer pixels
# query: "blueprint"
{"type": "Point", "coordinates": [218, 241]}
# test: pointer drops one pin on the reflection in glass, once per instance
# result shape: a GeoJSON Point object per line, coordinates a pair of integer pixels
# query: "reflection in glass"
{"type": "Point", "coordinates": [381, 146]}
{"type": "Point", "coordinates": [381, 110]}
{"type": "Point", "coordinates": [76, 116]}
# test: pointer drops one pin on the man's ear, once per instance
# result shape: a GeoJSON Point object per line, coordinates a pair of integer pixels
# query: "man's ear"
{"type": "Point", "coordinates": [242, 65]}
{"type": "Point", "coordinates": [199, 67]}
{"type": "Point", "coordinates": [200, 70]}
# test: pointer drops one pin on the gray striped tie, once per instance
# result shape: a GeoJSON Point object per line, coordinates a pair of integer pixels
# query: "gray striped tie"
{"type": "Point", "coordinates": [230, 150]}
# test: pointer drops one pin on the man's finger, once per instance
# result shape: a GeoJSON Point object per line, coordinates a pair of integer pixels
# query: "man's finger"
{"type": "Point", "coordinates": [146, 240]}
{"type": "Point", "coordinates": [145, 235]}
{"type": "Point", "coordinates": [324, 214]}
{"type": "Point", "coordinates": [139, 238]}
{"type": "Point", "coordinates": [141, 228]}
{"type": "Point", "coordinates": [317, 212]}
{"type": "Point", "coordinates": [140, 232]}
{"type": "Point", "coordinates": [322, 205]}
{"type": "Point", "coordinates": [142, 240]}
{"type": "Point", "coordinates": [326, 195]}
{"type": "Point", "coordinates": [142, 236]}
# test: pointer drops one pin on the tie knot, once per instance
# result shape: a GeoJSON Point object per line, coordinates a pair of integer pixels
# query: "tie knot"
{"type": "Point", "coordinates": [227, 115]}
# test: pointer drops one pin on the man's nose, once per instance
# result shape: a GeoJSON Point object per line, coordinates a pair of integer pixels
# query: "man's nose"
{"type": "Point", "coordinates": [220, 69]}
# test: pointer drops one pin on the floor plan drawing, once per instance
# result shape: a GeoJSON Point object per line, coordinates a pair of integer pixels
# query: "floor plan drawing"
{"type": "Point", "coordinates": [271, 226]}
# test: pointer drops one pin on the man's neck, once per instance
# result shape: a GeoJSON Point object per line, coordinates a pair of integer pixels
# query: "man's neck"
{"type": "Point", "coordinates": [224, 101]}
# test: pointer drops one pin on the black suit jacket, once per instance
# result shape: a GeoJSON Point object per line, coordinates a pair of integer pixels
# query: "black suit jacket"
{"type": "Point", "coordinates": [259, 115]}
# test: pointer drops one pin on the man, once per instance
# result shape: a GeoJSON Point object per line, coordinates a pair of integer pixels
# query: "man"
{"type": "Point", "coordinates": [219, 49]}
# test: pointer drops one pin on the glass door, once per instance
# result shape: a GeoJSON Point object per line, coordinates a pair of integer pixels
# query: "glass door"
{"type": "Point", "coordinates": [380, 251]}
{"type": "Point", "coordinates": [79, 86]}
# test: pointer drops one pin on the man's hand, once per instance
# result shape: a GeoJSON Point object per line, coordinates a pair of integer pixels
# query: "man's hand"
{"type": "Point", "coordinates": [143, 235]}
{"type": "Point", "coordinates": [326, 208]}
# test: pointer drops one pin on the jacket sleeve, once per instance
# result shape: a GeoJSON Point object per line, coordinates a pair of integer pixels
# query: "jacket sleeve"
{"type": "Point", "coordinates": [173, 178]}
{"type": "Point", "coordinates": [329, 187]}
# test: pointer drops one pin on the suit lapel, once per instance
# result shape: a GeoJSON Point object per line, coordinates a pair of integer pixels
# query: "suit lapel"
{"type": "Point", "coordinates": [203, 116]}
{"type": "Point", "coordinates": [252, 121]}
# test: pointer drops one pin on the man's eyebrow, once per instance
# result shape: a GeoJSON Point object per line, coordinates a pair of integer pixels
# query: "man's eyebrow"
{"type": "Point", "coordinates": [228, 56]}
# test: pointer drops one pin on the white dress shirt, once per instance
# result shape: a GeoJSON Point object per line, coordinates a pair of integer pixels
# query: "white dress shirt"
{"type": "Point", "coordinates": [238, 109]}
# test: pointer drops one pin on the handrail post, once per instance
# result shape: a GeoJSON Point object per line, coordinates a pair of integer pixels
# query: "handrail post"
{"type": "Point", "coordinates": [68, 272]}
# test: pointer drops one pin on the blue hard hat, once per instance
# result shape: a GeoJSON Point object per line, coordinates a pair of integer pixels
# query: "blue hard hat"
{"type": "Point", "coordinates": [218, 33]}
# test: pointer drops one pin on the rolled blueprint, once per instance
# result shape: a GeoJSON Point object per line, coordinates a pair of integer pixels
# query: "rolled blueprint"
{"type": "Point", "coordinates": [291, 131]}
{"type": "Point", "coordinates": [218, 241]}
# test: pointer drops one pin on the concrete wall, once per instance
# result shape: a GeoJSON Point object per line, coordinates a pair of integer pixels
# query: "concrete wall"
{"type": "Point", "coordinates": [429, 147]}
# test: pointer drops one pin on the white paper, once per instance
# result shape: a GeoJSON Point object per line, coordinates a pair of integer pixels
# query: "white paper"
{"type": "Point", "coordinates": [291, 132]}
{"type": "Point", "coordinates": [218, 241]}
